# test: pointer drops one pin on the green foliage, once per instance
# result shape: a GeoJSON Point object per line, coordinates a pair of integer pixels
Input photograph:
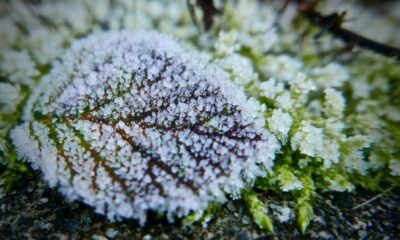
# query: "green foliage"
{"type": "Point", "coordinates": [305, 214]}
{"type": "Point", "coordinates": [12, 170]}
{"type": "Point", "coordinates": [258, 211]}
{"type": "Point", "coordinates": [202, 217]}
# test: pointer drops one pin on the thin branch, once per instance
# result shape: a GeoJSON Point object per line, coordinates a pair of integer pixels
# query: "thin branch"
{"type": "Point", "coordinates": [367, 202]}
{"type": "Point", "coordinates": [192, 13]}
{"type": "Point", "coordinates": [209, 11]}
{"type": "Point", "coordinates": [333, 23]}
{"type": "Point", "coordinates": [280, 13]}
{"type": "Point", "coordinates": [373, 199]}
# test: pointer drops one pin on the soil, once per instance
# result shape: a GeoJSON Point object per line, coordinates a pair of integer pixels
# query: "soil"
{"type": "Point", "coordinates": [34, 211]}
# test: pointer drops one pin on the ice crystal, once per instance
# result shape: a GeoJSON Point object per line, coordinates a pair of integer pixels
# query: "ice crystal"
{"type": "Point", "coordinates": [129, 122]}
{"type": "Point", "coordinates": [335, 112]}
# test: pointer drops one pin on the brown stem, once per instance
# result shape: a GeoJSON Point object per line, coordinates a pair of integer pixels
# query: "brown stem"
{"type": "Point", "coordinates": [209, 11]}
{"type": "Point", "coordinates": [333, 23]}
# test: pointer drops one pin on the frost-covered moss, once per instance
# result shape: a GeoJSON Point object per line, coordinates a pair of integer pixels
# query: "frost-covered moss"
{"type": "Point", "coordinates": [336, 115]}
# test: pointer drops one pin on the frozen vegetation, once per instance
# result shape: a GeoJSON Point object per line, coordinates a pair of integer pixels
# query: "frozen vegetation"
{"type": "Point", "coordinates": [130, 106]}
{"type": "Point", "coordinates": [135, 124]}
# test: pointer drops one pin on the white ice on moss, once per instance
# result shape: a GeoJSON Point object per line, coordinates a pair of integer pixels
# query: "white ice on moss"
{"type": "Point", "coordinates": [394, 166]}
{"type": "Point", "coordinates": [283, 67]}
{"type": "Point", "coordinates": [271, 88]}
{"type": "Point", "coordinates": [8, 32]}
{"type": "Point", "coordinates": [280, 123]}
{"type": "Point", "coordinates": [354, 158]}
{"type": "Point", "coordinates": [334, 103]}
{"type": "Point", "coordinates": [9, 97]}
{"type": "Point", "coordinates": [2, 191]}
{"type": "Point", "coordinates": [129, 122]}
{"type": "Point", "coordinates": [227, 43]}
{"type": "Point", "coordinates": [331, 75]}
{"type": "Point", "coordinates": [301, 85]}
{"type": "Point", "coordinates": [77, 16]}
{"type": "Point", "coordinates": [282, 213]}
{"type": "Point", "coordinates": [308, 139]}
{"type": "Point", "coordinates": [312, 141]}
{"type": "Point", "coordinates": [18, 65]}
{"type": "Point", "coordinates": [239, 67]}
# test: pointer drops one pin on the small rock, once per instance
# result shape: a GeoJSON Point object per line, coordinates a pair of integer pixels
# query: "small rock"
{"type": "Point", "coordinates": [71, 226]}
{"type": "Point", "coordinates": [325, 235]}
{"type": "Point", "coordinates": [23, 220]}
{"type": "Point", "coordinates": [58, 236]}
{"type": "Point", "coordinates": [45, 226]}
{"type": "Point", "coordinates": [99, 237]}
{"type": "Point", "coordinates": [43, 200]}
{"type": "Point", "coordinates": [111, 233]}
{"type": "Point", "coordinates": [231, 207]}
{"type": "Point", "coordinates": [244, 236]}
{"type": "Point", "coordinates": [164, 237]}
{"type": "Point", "coordinates": [246, 220]}
{"type": "Point", "coordinates": [147, 237]}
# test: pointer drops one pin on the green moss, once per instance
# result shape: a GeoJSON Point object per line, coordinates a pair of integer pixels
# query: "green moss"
{"type": "Point", "coordinates": [258, 211]}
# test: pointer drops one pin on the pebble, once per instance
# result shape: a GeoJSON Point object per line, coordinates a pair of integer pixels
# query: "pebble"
{"type": "Point", "coordinates": [43, 200]}
{"type": "Point", "coordinates": [99, 237]}
{"type": "Point", "coordinates": [325, 235]}
{"type": "Point", "coordinates": [231, 207]}
{"type": "Point", "coordinates": [28, 220]}
{"type": "Point", "coordinates": [45, 226]}
{"type": "Point", "coordinates": [244, 236]}
{"type": "Point", "coordinates": [246, 220]}
{"type": "Point", "coordinates": [111, 233]}
{"type": "Point", "coordinates": [147, 237]}
{"type": "Point", "coordinates": [71, 226]}
{"type": "Point", "coordinates": [24, 220]}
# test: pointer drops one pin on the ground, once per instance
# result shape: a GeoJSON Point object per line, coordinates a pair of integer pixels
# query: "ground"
{"type": "Point", "coordinates": [34, 211]}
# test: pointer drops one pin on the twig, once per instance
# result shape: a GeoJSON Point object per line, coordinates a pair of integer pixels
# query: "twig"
{"type": "Point", "coordinates": [281, 11]}
{"type": "Point", "coordinates": [372, 199]}
{"type": "Point", "coordinates": [333, 23]}
{"type": "Point", "coordinates": [209, 11]}
{"type": "Point", "coordinates": [192, 13]}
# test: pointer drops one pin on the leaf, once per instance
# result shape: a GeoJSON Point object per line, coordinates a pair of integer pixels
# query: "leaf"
{"type": "Point", "coordinates": [128, 122]}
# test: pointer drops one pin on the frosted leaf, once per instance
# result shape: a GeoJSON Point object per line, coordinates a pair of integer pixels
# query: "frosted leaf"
{"type": "Point", "coordinates": [129, 122]}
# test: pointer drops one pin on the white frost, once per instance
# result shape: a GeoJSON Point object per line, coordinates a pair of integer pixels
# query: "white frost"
{"type": "Point", "coordinates": [129, 122]}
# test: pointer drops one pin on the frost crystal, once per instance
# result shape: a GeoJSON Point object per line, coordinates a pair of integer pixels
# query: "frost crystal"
{"type": "Point", "coordinates": [394, 165]}
{"type": "Point", "coordinates": [336, 74]}
{"type": "Point", "coordinates": [9, 97]}
{"type": "Point", "coordinates": [280, 123]}
{"type": "Point", "coordinates": [128, 122]}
